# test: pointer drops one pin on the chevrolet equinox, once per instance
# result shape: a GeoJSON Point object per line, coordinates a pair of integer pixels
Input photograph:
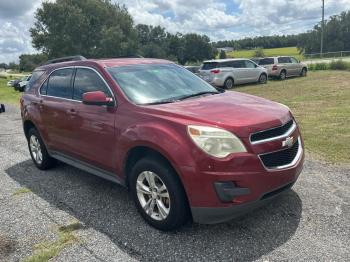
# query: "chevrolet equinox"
{"type": "Point", "coordinates": [185, 150]}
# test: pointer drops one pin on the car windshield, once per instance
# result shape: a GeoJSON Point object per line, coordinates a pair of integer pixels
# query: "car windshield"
{"type": "Point", "coordinates": [159, 83]}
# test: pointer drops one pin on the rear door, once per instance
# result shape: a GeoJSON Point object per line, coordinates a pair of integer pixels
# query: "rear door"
{"type": "Point", "coordinates": [56, 101]}
{"type": "Point", "coordinates": [239, 71]}
{"type": "Point", "coordinates": [92, 135]}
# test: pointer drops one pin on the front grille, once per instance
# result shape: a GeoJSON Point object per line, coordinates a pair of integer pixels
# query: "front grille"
{"type": "Point", "coordinates": [271, 133]}
{"type": "Point", "coordinates": [280, 158]}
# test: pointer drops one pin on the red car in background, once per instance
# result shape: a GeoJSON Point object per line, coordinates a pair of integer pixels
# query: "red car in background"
{"type": "Point", "coordinates": [185, 150]}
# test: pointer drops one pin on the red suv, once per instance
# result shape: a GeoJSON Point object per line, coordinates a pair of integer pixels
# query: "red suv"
{"type": "Point", "coordinates": [185, 150]}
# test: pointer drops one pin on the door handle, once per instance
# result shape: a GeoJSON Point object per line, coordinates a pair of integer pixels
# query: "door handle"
{"type": "Point", "coordinates": [72, 112]}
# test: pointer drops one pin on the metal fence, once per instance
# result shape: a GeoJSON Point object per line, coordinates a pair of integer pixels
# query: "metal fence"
{"type": "Point", "coordinates": [328, 55]}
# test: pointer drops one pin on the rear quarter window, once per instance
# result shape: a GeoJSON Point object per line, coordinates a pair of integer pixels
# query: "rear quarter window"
{"type": "Point", "coordinates": [209, 65]}
{"type": "Point", "coordinates": [34, 79]}
{"type": "Point", "coordinates": [267, 61]}
{"type": "Point", "coordinates": [284, 60]}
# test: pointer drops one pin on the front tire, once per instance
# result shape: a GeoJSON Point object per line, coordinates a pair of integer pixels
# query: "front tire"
{"type": "Point", "coordinates": [303, 72]}
{"type": "Point", "coordinates": [38, 151]}
{"type": "Point", "coordinates": [158, 194]}
{"type": "Point", "coordinates": [263, 79]}
{"type": "Point", "coordinates": [229, 83]}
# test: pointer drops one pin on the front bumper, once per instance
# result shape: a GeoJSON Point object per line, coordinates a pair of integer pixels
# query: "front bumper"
{"type": "Point", "coordinates": [214, 215]}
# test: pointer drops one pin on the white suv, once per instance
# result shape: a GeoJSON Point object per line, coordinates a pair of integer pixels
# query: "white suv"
{"type": "Point", "coordinates": [229, 72]}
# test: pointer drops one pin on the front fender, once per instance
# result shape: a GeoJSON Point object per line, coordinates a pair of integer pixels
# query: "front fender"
{"type": "Point", "coordinates": [169, 140]}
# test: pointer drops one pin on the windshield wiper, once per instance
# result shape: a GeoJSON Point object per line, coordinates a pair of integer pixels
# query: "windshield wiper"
{"type": "Point", "coordinates": [165, 101]}
{"type": "Point", "coordinates": [199, 94]}
{"type": "Point", "coordinates": [176, 99]}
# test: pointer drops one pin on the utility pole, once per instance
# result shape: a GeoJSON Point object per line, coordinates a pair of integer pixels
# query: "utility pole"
{"type": "Point", "coordinates": [322, 30]}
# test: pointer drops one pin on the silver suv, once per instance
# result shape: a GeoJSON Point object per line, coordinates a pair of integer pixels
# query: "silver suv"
{"type": "Point", "coordinates": [283, 66]}
{"type": "Point", "coordinates": [228, 72]}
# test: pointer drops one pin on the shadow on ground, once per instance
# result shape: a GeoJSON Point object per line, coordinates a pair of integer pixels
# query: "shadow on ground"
{"type": "Point", "coordinates": [107, 208]}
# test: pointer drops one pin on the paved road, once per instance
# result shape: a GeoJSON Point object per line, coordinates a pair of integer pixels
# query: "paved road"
{"type": "Point", "coordinates": [310, 222]}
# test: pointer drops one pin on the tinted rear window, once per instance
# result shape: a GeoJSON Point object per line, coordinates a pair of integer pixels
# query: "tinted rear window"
{"type": "Point", "coordinates": [267, 61]}
{"type": "Point", "coordinates": [283, 60]}
{"type": "Point", "coordinates": [210, 65]}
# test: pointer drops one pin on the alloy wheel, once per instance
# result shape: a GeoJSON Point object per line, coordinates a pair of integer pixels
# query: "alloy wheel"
{"type": "Point", "coordinates": [153, 195]}
{"type": "Point", "coordinates": [229, 84]}
{"type": "Point", "coordinates": [263, 79]}
{"type": "Point", "coordinates": [35, 149]}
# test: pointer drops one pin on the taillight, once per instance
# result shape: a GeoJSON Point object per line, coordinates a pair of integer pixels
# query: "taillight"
{"type": "Point", "coordinates": [215, 71]}
{"type": "Point", "coordinates": [274, 67]}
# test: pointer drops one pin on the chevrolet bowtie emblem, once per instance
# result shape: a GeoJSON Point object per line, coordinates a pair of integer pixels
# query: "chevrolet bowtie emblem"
{"type": "Point", "coordinates": [288, 142]}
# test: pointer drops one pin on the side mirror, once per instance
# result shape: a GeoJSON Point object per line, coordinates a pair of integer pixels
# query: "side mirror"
{"type": "Point", "coordinates": [97, 98]}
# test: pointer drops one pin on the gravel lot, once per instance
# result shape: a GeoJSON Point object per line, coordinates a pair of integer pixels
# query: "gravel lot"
{"type": "Point", "coordinates": [310, 222]}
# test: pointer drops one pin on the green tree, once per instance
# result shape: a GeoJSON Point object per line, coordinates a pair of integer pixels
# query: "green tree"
{"type": "Point", "coordinates": [222, 54]}
{"type": "Point", "coordinates": [92, 28]}
{"type": "Point", "coordinates": [153, 41]}
{"type": "Point", "coordinates": [197, 48]}
{"type": "Point", "coordinates": [259, 52]}
{"type": "Point", "coordinates": [336, 35]}
{"type": "Point", "coordinates": [28, 63]}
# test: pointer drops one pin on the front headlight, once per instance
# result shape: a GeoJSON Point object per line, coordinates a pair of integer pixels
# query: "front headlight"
{"type": "Point", "coordinates": [215, 141]}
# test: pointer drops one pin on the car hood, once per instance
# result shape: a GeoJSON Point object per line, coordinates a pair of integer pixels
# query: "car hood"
{"type": "Point", "coordinates": [240, 113]}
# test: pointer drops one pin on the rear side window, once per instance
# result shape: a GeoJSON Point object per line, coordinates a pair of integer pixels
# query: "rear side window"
{"type": "Point", "coordinates": [34, 78]}
{"type": "Point", "coordinates": [267, 61]}
{"type": "Point", "coordinates": [210, 65]}
{"type": "Point", "coordinates": [238, 64]}
{"type": "Point", "coordinates": [86, 80]}
{"type": "Point", "coordinates": [284, 60]}
{"type": "Point", "coordinates": [59, 84]}
{"type": "Point", "coordinates": [249, 64]}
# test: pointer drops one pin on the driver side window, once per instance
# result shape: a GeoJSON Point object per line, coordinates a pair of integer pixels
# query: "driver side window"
{"type": "Point", "coordinates": [86, 80]}
{"type": "Point", "coordinates": [294, 61]}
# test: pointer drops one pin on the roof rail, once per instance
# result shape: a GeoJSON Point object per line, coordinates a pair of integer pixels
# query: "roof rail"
{"type": "Point", "coordinates": [65, 59]}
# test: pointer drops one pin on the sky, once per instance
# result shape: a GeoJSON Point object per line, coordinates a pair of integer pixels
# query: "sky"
{"type": "Point", "coordinates": [219, 19]}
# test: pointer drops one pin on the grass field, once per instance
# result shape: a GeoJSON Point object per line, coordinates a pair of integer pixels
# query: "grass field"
{"type": "Point", "coordinates": [285, 51]}
{"type": "Point", "coordinates": [7, 94]}
{"type": "Point", "coordinates": [321, 104]}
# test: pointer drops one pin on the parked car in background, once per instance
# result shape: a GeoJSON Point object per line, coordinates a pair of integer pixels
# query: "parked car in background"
{"type": "Point", "coordinates": [283, 66]}
{"type": "Point", "coordinates": [184, 149]}
{"type": "Point", "coordinates": [193, 69]}
{"type": "Point", "coordinates": [11, 83]}
{"type": "Point", "coordinates": [229, 72]}
{"type": "Point", "coordinates": [15, 82]}
{"type": "Point", "coordinates": [21, 85]}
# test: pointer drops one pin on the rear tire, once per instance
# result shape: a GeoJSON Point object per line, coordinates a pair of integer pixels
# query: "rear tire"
{"type": "Point", "coordinates": [158, 194]}
{"type": "Point", "coordinates": [263, 79]}
{"type": "Point", "coordinates": [283, 75]}
{"type": "Point", "coordinates": [38, 151]}
{"type": "Point", "coordinates": [229, 83]}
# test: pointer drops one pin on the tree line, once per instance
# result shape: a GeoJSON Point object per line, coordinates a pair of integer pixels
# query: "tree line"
{"type": "Point", "coordinates": [102, 29]}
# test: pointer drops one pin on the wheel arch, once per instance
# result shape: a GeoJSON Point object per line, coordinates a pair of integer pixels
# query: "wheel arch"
{"type": "Point", "coordinates": [138, 152]}
{"type": "Point", "coordinates": [27, 125]}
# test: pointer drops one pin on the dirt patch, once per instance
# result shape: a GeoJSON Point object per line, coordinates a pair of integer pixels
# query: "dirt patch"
{"type": "Point", "coordinates": [7, 245]}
